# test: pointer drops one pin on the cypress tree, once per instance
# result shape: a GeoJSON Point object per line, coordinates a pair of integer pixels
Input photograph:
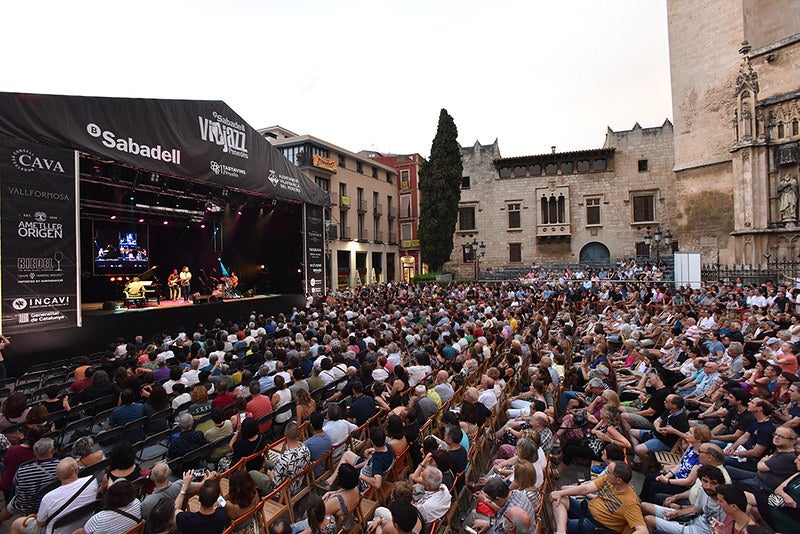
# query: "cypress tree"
{"type": "Point", "coordinates": [440, 188]}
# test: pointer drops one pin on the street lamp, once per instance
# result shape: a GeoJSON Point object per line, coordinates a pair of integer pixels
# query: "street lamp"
{"type": "Point", "coordinates": [478, 252]}
{"type": "Point", "coordinates": [655, 240]}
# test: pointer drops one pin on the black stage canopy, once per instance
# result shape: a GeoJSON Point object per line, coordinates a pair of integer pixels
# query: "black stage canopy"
{"type": "Point", "coordinates": [196, 139]}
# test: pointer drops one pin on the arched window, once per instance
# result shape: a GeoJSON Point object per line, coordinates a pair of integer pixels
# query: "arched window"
{"type": "Point", "coordinates": [562, 209]}
{"type": "Point", "coordinates": [545, 218]}
{"type": "Point", "coordinates": [553, 209]}
{"type": "Point", "coordinates": [781, 130]}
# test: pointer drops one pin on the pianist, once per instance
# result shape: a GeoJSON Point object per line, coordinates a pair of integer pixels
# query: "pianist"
{"type": "Point", "coordinates": [135, 289]}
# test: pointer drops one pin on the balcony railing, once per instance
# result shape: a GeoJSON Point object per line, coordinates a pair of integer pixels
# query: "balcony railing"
{"type": "Point", "coordinates": [406, 214]}
{"type": "Point", "coordinates": [377, 209]}
{"type": "Point", "coordinates": [392, 212]}
{"type": "Point", "coordinates": [363, 235]}
{"type": "Point", "coordinates": [362, 206]}
{"type": "Point", "coordinates": [379, 237]}
{"type": "Point", "coordinates": [392, 238]}
{"type": "Point", "coordinates": [344, 232]}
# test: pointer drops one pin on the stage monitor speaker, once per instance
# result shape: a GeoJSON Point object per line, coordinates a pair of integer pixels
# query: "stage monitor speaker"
{"type": "Point", "coordinates": [200, 299]}
{"type": "Point", "coordinates": [108, 305]}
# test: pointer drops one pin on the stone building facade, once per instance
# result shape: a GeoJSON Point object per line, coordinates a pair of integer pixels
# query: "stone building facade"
{"type": "Point", "coordinates": [591, 206]}
{"type": "Point", "coordinates": [361, 245]}
{"type": "Point", "coordinates": [735, 70]}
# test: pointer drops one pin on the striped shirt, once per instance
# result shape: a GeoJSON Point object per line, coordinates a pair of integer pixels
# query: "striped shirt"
{"type": "Point", "coordinates": [28, 480]}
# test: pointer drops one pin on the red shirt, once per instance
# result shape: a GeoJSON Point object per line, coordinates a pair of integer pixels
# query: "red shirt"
{"type": "Point", "coordinates": [260, 406]}
{"type": "Point", "coordinates": [223, 399]}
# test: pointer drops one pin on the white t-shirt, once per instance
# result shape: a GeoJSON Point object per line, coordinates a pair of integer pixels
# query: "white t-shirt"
{"type": "Point", "coordinates": [56, 499]}
{"type": "Point", "coordinates": [338, 431]}
{"type": "Point", "coordinates": [432, 505]}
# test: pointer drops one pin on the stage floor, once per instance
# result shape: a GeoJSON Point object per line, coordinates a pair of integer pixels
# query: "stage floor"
{"type": "Point", "coordinates": [102, 327]}
{"type": "Point", "coordinates": [165, 304]}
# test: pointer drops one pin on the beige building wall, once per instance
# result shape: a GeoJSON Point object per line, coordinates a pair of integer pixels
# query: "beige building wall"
{"type": "Point", "coordinates": [500, 185]}
{"type": "Point", "coordinates": [343, 173]}
{"type": "Point", "coordinates": [735, 68]}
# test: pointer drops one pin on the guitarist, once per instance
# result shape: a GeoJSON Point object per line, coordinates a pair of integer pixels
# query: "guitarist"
{"type": "Point", "coordinates": [173, 281]}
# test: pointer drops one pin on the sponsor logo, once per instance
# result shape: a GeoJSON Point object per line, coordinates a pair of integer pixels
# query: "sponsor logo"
{"type": "Point", "coordinates": [20, 303]}
{"type": "Point", "coordinates": [229, 134]}
{"type": "Point", "coordinates": [27, 161]}
{"type": "Point", "coordinates": [130, 146]}
{"type": "Point", "coordinates": [273, 178]}
{"type": "Point", "coordinates": [40, 264]}
{"type": "Point", "coordinates": [40, 227]}
{"type": "Point", "coordinates": [226, 170]}
{"type": "Point", "coordinates": [284, 181]}
{"type": "Point", "coordinates": [36, 193]}
{"type": "Point", "coordinates": [23, 318]}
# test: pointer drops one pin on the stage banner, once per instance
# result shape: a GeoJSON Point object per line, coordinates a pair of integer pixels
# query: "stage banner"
{"type": "Point", "coordinates": [315, 250]}
{"type": "Point", "coordinates": [195, 139]}
{"type": "Point", "coordinates": [38, 232]}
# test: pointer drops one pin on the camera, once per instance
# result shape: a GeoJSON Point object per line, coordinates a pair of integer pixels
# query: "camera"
{"type": "Point", "coordinates": [198, 474]}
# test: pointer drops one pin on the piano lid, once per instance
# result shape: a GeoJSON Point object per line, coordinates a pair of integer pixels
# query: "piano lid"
{"type": "Point", "coordinates": [149, 273]}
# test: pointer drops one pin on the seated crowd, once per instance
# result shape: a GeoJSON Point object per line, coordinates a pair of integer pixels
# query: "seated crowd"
{"type": "Point", "coordinates": [430, 408]}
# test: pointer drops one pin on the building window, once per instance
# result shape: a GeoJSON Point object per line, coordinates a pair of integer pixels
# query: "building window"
{"type": "Point", "coordinates": [465, 183]}
{"type": "Point", "coordinates": [466, 218]}
{"type": "Point", "coordinates": [406, 232]}
{"type": "Point", "coordinates": [515, 252]}
{"type": "Point", "coordinates": [794, 127]}
{"type": "Point", "coordinates": [584, 165]}
{"type": "Point", "coordinates": [644, 208]}
{"type": "Point", "coordinates": [514, 220]}
{"type": "Point", "coordinates": [405, 181]}
{"type": "Point", "coordinates": [389, 177]}
{"type": "Point", "coordinates": [781, 130]}
{"type": "Point", "coordinates": [341, 161]}
{"type": "Point", "coordinates": [374, 172]}
{"type": "Point", "coordinates": [642, 250]}
{"type": "Point", "coordinates": [566, 167]}
{"type": "Point", "coordinates": [535, 170]}
{"type": "Point", "coordinates": [324, 152]}
{"type": "Point", "coordinates": [342, 189]}
{"type": "Point", "coordinates": [323, 183]}
{"type": "Point", "coordinates": [592, 211]}
{"type": "Point", "coordinates": [599, 164]}
{"type": "Point", "coordinates": [359, 167]}
{"type": "Point", "coordinates": [643, 165]}
{"type": "Point", "coordinates": [551, 168]}
{"type": "Point", "coordinates": [405, 206]}
{"type": "Point", "coordinates": [505, 172]}
{"type": "Point", "coordinates": [553, 209]}
{"type": "Point", "coordinates": [520, 170]}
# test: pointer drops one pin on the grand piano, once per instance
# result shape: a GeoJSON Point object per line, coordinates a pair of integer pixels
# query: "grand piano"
{"type": "Point", "coordinates": [152, 288]}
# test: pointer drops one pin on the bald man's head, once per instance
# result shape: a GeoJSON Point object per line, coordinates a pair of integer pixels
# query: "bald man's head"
{"type": "Point", "coordinates": [67, 469]}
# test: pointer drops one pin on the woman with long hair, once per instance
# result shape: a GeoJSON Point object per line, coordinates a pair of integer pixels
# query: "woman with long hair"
{"type": "Point", "coordinates": [396, 439]}
{"type": "Point", "coordinates": [157, 401]}
{"type": "Point", "coordinates": [242, 494]}
{"type": "Point", "coordinates": [607, 430]}
{"type": "Point", "coordinates": [305, 405]}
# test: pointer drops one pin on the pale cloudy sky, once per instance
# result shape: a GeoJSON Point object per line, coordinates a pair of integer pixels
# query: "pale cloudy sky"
{"type": "Point", "coordinates": [363, 74]}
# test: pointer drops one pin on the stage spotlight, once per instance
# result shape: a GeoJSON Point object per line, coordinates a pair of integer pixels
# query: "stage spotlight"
{"type": "Point", "coordinates": [262, 267]}
{"type": "Point", "coordinates": [239, 211]}
{"type": "Point", "coordinates": [141, 220]}
{"type": "Point", "coordinates": [165, 223]}
{"type": "Point", "coordinates": [113, 217]}
{"type": "Point", "coordinates": [112, 279]}
{"type": "Point", "coordinates": [203, 226]}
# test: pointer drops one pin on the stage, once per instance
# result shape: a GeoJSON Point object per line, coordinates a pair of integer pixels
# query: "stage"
{"type": "Point", "coordinates": [101, 327]}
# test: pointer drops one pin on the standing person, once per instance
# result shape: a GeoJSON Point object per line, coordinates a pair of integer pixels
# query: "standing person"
{"type": "Point", "coordinates": [186, 283]}
{"type": "Point", "coordinates": [173, 281]}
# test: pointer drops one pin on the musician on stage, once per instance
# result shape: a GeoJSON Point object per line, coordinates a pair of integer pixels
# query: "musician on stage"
{"type": "Point", "coordinates": [173, 281]}
{"type": "Point", "coordinates": [232, 282]}
{"type": "Point", "coordinates": [186, 280]}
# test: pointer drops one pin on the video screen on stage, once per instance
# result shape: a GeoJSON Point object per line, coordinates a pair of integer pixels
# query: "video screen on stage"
{"type": "Point", "coordinates": [120, 248]}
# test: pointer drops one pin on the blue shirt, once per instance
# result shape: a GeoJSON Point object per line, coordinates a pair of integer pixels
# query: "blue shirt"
{"type": "Point", "coordinates": [319, 445]}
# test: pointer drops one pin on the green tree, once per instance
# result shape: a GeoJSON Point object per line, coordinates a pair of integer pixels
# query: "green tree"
{"type": "Point", "coordinates": [440, 190]}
